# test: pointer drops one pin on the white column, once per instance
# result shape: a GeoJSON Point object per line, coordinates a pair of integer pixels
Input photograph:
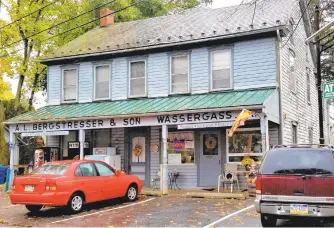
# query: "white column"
{"type": "Point", "coordinates": [163, 166]}
{"type": "Point", "coordinates": [82, 143]}
{"type": "Point", "coordinates": [264, 132]}
{"type": "Point", "coordinates": [12, 150]}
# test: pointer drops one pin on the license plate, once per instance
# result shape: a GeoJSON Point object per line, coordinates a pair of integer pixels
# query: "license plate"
{"type": "Point", "coordinates": [29, 188]}
{"type": "Point", "coordinates": [298, 209]}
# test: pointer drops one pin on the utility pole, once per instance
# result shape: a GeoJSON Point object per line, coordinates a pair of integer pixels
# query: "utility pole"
{"type": "Point", "coordinates": [319, 84]}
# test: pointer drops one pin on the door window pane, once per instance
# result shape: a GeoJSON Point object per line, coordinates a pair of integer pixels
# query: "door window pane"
{"type": "Point", "coordinates": [87, 169]}
{"type": "Point", "coordinates": [104, 170]}
{"type": "Point", "coordinates": [210, 144]}
{"type": "Point", "coordinates": [221, 69]}
{"type": "Point", "coordinates": [138, 149]}
{"type": "Point", "coordinates": [102, 82]}
{"type": "Point", "coordinates": [294, 134]}
{"type": "Point", "coordinates": [70, 85]}
{"type": "Point", "coordinates": [179, 74]}
{"type": "Point", "coordinates": [137, 78]}
{"type": "Point", "coordinates": [181, 147]}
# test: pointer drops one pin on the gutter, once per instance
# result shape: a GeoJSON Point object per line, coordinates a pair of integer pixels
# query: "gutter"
{"type": "Point", "coordinates": [279, 73]}
{"type": "Point", "coordinates": [255, 107]}
{"type": "Point", "coordinates": [272, 29]}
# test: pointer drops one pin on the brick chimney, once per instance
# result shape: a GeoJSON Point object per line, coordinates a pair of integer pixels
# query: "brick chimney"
{"type": "Point", "coordinates": [108, 20]}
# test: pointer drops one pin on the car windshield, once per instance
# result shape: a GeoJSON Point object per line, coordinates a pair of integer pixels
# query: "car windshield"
{"type": "Point", "coordinates": [52, 169]}
{"type": "Point", "coordinates": [298, 162]}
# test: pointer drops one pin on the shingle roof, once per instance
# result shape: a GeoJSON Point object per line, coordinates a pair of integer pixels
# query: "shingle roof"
{"type": "Point", "coordinates": [199, 23]}
{"type": "Point", "coordinates": [147, 106]}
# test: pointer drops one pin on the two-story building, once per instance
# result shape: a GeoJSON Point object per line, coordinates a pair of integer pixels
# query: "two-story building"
{"type": "Point", "coordinates": [187, 75]}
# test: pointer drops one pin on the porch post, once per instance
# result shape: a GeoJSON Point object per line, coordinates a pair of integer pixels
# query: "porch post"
{"type": "Point", "coordinates": [82, 143]}
{"type": "Point", "coordinates": [163, 166]}
{"type": "Point", "coordinates": [12, 151]}
{"type": "Point", "coordinates": [264, 132]}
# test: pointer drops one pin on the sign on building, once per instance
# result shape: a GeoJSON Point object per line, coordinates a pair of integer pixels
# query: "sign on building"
{"type": "Point", "coordinates": [328, 90]}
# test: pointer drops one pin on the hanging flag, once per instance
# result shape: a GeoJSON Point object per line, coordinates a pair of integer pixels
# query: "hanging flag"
{"type": "Point", "coordinates": [241, 119]}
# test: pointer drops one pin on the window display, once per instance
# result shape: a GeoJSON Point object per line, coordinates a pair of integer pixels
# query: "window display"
{"type": "Point", "coordinates": [181, 148]}
{"type": "Point", "coordinates": [245, 143]}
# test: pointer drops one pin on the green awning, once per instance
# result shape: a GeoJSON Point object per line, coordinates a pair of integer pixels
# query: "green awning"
{"type": "Point", "coordinates": [147, 105]}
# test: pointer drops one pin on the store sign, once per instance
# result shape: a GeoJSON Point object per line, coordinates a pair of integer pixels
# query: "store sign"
{"type": "Point", "coordinates": [189, 118]}
{"type": "Point", "coordinates": [75, 145]}
{"type": "Point", "coordinates": [45, 133]}
{"type": "Point", "coordinates": [100, 151]}
{"type": "Point", "coordinates": [178, 145]}
{"type": "Point", "coordinates": [206, 125]}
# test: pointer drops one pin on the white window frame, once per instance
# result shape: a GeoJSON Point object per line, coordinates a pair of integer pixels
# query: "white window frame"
{"type": "Point", "coordinates": [129, 75]}
{"type": "Point", "coordinates": [231, 69]}
{"type": "Point", "coordinates": [94, 82]}
{"type": "Point", "coordinates": [308, 85]}
{"type": "Point", "coordinates": [292, 54]}
{"type": "Point", "coordinates": [62, 84]}
{"type": "Point", "coordinates": [170, 73]}
{"type": "Point", "coordinates": [183, 164]}
{"type": "Point", "coordinates": [228, 155]}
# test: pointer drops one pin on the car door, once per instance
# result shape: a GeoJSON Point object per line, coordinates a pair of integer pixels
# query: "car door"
{"type": "Point", "coordinates": [111, 185]}
{"type": "Point", "coordinates": [89, 182]}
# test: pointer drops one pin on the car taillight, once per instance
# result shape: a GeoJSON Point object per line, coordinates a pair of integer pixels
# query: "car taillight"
{"type": "Point", "coordinates": [50, 185]}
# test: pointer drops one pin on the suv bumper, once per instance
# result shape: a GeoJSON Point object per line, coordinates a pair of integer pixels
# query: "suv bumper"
{"type": "Point", "coordinates": [283, 209]}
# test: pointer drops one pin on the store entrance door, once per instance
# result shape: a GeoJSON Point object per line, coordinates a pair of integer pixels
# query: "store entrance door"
{"type": "Point", "coordinates": [139, 157]}
{"type": "Point", "coordinates": [210, 158]}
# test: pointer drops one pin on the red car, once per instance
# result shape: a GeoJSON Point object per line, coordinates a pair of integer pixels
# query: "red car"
{"type": "Point", "coordinates": [72, 184]}
{"type": "Point", "coordinates": [295, 182]}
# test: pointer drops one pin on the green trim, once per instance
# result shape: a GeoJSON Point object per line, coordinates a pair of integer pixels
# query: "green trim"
{"type": "Point", "coordinates": [142, 106]}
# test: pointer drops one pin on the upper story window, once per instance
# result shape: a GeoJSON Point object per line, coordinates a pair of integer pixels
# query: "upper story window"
{"type": "Point", "coordinates": [179, 74]}
{"type": "Point", "coordinates": [137, 79]}
{"type": "Point", "coordinates": [70, 85]}
{"type": "Point", "coordinates": [308, 78]}
{"type": "Point", "coordinates": [293, 80]}
{"type": "Point", "coordinates": [101, 82]}
{"type": "Point", "coordinates": [221, 75]}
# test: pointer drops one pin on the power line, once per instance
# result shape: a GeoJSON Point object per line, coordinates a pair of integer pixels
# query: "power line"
{"type": "Point", "coordinates": [89, 22]}
{"type": "Point", "coordinates": [27, 15]}
{"type": "Point", "coordinates": [294, 30]}
{"type": "Point", "coordinates": [56, 25]}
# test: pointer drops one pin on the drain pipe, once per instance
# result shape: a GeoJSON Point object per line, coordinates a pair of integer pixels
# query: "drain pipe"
{"type": "Point", "coordinates": [280, 89]}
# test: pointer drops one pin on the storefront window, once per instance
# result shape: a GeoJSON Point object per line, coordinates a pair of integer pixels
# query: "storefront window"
{"type": "Point", "coordinates": [245, 142]}
{"type": "Point", "coordinates": [181, 148]}
{"type": "Point", "coordinates": [102, 138]}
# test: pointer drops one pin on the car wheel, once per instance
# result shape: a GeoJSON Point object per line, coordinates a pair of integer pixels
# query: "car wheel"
{"type": "Point", "coordinates": [268, 220]}
{"type": "Point", "coordinates": [132, 193]}
{"type": "Point", "coordinates": [76, 202]}
{"type": "Point", "coordinates": [34, 208]}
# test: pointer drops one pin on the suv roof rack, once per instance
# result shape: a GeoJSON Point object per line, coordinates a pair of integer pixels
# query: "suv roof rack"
{"type": "Point", "coordinates": [303, 146]}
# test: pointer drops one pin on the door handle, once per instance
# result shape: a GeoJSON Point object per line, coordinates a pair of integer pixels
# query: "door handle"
{"type": "Point", "coordinates": [219, 162]}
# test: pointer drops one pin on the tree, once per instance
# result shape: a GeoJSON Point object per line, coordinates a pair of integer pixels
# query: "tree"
{"type": "Point", "coordinates": [24, 41]}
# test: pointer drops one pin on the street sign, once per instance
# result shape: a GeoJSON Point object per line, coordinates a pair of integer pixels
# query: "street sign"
{"type": "Point", "coordinates": [328, 90]}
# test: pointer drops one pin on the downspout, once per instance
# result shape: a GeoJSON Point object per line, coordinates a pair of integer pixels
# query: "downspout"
{"type": "Point", "coordinates": [279, 69]}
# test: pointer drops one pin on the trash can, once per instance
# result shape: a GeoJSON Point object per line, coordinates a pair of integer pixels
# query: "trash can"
{"type": "Point", "coordinates": [3, 174]}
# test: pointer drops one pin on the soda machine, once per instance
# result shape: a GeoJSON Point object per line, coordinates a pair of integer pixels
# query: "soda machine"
{"type": "Point", "coordinates": [45, 154]}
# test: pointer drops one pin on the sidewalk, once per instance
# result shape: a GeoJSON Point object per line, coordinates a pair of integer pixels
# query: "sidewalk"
{"type": "Point", "coordinates": [197, 193]}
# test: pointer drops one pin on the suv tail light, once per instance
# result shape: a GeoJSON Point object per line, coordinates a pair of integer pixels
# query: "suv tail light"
{"type": "Point", "coordinates": [258, 185]}
{"type": "Point", "coordinates": [50, 185]}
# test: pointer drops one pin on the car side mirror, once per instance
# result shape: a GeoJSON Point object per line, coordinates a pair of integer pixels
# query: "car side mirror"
{"type": "Point", "coordinates": [118, 173]}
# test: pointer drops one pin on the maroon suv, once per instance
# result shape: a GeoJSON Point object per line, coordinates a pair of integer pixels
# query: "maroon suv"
{"type": "Point", "coordinates": [295, 182]}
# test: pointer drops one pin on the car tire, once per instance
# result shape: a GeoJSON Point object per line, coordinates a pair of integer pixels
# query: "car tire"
{"type": "Point", "coordinates": [34, 208]}
{"type": "Point", "coordinates": [268, 220]}
{"type": "Point", "coordinates": [75, 204]}
{"type": "Point", "coordinates": [131, 193]}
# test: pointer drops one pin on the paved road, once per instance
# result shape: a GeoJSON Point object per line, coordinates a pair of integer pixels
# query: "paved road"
{"type": "Point", "coordinates": [168, 211]}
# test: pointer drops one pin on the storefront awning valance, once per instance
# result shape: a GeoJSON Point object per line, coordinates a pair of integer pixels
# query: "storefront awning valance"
{"type": "Point", "coordinates": [146, 106]}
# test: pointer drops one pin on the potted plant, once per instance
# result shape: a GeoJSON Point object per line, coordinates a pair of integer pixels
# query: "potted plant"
{"type": "Point", "coordinates": [247, 162]}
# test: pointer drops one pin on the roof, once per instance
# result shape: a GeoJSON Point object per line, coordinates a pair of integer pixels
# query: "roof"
{"type": "Point", "coordinates": [146, 106]}
{"type": "Point", "coordinates": [194, 25]}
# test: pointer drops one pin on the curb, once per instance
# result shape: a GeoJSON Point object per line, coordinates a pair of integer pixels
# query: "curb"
{"type": "Point", "coordinates": [216, 195]}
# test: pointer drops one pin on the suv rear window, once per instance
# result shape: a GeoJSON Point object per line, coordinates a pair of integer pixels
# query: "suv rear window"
{"type": "Point", "coordinates": [52, 169]}
{"type": "Point", "coordinates": [298, 162]}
